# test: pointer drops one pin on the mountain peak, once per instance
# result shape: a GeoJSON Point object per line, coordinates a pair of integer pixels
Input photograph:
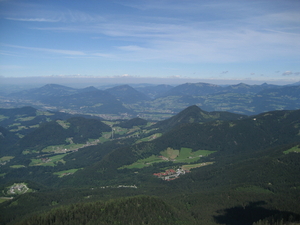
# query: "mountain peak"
{"type": "Point", "coordinates": [194, 114]}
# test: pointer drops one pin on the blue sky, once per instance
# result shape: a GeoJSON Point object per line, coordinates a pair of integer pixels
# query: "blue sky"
{"type": "Point", "coordinates": [234, 40]}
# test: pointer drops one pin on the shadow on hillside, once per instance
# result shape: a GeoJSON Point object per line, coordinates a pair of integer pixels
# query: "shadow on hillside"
{"type": "Point", "coordinates": [251, 213]}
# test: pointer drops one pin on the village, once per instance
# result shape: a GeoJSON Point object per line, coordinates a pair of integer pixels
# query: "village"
{"type": "Point", "coordinates": [18, 188]}
{"type": "Point", "coordinates": [171, 174]}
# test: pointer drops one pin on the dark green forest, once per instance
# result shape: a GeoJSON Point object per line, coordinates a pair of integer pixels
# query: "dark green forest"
{"type": "Point", "coordinates": [77, 170]}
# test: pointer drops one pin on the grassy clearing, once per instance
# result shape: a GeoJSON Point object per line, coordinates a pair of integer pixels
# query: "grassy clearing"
{"type": "Point", "coordinates": [109, 123]}
{"type": "Point", "coordinates": [293, 149]}
{"type": "Point", "coordinates": [150, 138]}
{"type": "Point", "coordinates": [20, 135]}
{"type": "Point", "coordinates": [71, 146]}
{"type": "Point", "coordinates": [254, 189]}
{"type": "Point", "coordinates": [185, 155]}
{"type": "Point", "coordinates": [192, 166]}
{"type": "Point", "coordinates": [63, 123]}
{"type": "Point", "coordinates": [28, 151]}
{"type": "Point", "coordinates": [202, 153]}
{"type": "Point", "coordinates": [6, 158]}
{"type": "Point", "coordinates": [170, 153]}
{"type": "Point", "coordinates": [51, 161]}
{"type": "Point", "coordinates": [62, 148]}
{"type": "Point", "coordinates": [34, 126]}
{"type": "Point", "coordinates": [17, 166]}
{"type": "Point", "coordinates": [19, 128]}
{"type": "Point", "coordinates": [2, 117]}
{"type": "Point", "coordinates": [25, 118]}
{"type": "Point", "coordinates": [14, 125]}
{"type": "Point", "coordinates": [3, 199]}
{"type": "Point", "coordinates": [65, 172]}
{"type": "Point", "coordinates": [141, 163]}
{"type": "Point", "coordinates": [120, 130]}
{"type": "Point", "coordinates": [45, 113]}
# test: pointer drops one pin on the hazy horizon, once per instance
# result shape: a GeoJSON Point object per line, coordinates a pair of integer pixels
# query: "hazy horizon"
{"type": "Point", "coordinates": [79, 81]}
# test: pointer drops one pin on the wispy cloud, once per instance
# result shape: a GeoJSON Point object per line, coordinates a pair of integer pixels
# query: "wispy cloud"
{"type": "Point", "coordinates": [289, 73]}
{"type": "Point", "coordinates": [48, 50]}
{"type": "Point", "coordinates": [33, 19]}
{"type": "Point", "coordinates": [39, 13]}
{"type": "Point", "coordinates": [69, 53]}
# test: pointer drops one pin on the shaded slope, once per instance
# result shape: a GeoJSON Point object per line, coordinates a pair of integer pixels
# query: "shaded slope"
{"type": "Point", "coordinates": [100, 102]}
{"type": "Point", "coordinates": [277, 99]}
{"type": "Point", "coordinates": [23, 111]}
{"type": "Point", "coordinates": [24, 120]}
{"type": "Point", "coordinates": [52, 133]}
{"type": "Point", "coordinates": [243, 88]}
{"type": "Point", "coordinates": [7, 140]}
{"type": "Point", "coordinates": [193, 89]}
{"type": "Point", "coordinates": [45, 92]}
{"type": "Point", "coordinates": [194, 114]}
{"type": "Point", "coordinates": [254, 133]}
{"type": "Point", "coordinates": [154, 91]}
{"type": "Point", "coordinates": [133, 122]}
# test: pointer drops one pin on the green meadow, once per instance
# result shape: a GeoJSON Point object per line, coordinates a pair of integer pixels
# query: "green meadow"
{"type": "Point", "coordinates": [184, 155]}
{"type": "Point", "coordinates": [51, 161]}
{"type": "Point", "coordinates": [293, 149]}
{"type": "Point", "coordinates": [65, 172]}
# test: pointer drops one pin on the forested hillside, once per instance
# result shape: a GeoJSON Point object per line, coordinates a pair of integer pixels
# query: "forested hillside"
{"type": "Point", "coordinates": [203, 167]}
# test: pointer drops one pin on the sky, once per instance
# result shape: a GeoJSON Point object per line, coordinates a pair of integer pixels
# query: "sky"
{"type": "Point", "coordinates": [175, 39]}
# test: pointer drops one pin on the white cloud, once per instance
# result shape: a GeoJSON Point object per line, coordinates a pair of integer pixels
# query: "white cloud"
{"type": "Point", "coordinates": [287, 73]}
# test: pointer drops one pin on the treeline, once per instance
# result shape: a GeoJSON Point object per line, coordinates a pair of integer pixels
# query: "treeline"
{"type": "Point", "coordinates": [133, 210]}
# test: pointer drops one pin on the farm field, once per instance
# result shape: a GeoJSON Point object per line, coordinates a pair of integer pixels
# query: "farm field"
{"type": "Point", "coordinates": [51, 161]}
{"type": "Point", "coordinates": [192, 166]}
{"type": "Point", "coordinates": [254, 189]}
{"type": "Point", "coordinates": [65, 172]}
{"type": "Point", "coordinates": [149, 138]}
{"type": "Point", "coordinates": [17, 166]}
{"type": "Point", "coordinates": [6, 158]}
{"type": "Point", "coordinates": [184, 155]}
{"type": "Point", "coordinates": [293, 149]}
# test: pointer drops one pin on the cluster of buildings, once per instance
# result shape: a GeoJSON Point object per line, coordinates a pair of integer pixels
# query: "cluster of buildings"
{"type": "Point", "coordinates": [18, 188]}
{"type": "Point", "coordinates": [171, 174]}
{"type": "Point", "coordinates": [119, 186]}
{"type": "Point", "coordinates": [45, 160]}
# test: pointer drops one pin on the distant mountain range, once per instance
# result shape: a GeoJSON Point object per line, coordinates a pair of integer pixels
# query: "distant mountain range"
{"type": "Point", "coordinates": [158, 102]}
